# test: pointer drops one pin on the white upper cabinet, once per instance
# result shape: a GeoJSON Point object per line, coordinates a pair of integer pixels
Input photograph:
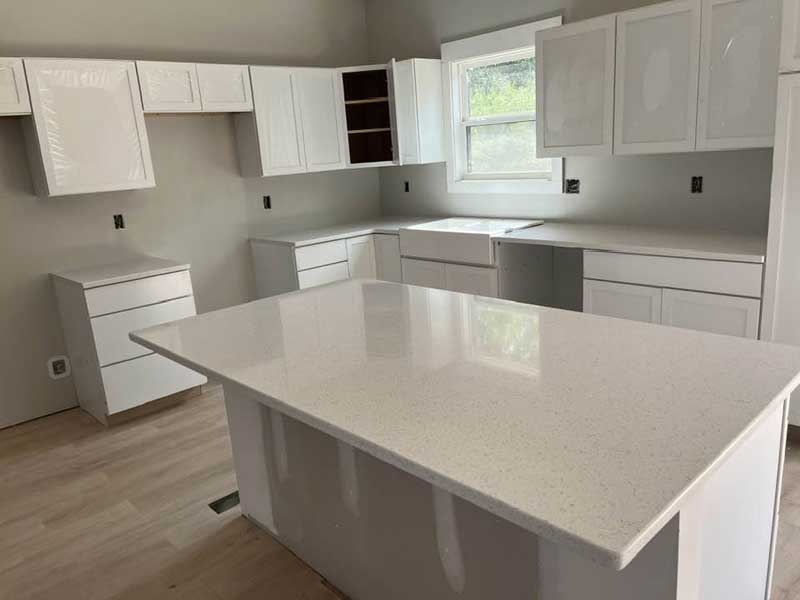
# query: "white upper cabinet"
{"type": "Point", "coordinates": [790, 37]}
{"type": "Point", "coordinates": [87, 132]}
{"type": "Point", "coordinates": [417, 87]}
{"type": "Point", "coordinates": [658, 51]}
{"type": "Point", "coordinates": [13, 88]}
{"type": "Point", "coordinates": [575, 78]}
{"type": "Point", "coordinates": [224, 88]}
{"type": "Point", "coordinates": [169, 86]}
{"type": "Point", "coordinates": [270, 139]}
{"type": "Point", "coordinates": [321, 116]}
{"type": "Point", "coordinates": [738, 66]}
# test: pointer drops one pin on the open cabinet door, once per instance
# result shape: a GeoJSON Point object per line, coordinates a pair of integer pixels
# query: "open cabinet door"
{"type": "Point", "coordinates": [391, 76]}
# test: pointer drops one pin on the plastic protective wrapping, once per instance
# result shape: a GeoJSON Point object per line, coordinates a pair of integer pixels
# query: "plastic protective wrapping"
{"type": "Point", "coordinates": [90, 125]}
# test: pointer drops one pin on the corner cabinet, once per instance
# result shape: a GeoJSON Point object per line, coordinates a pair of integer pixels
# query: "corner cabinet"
{"type": "Point", "coordinates": [575, 68]}
{"type": "Point", "coordinates": [69, 157]}
{"type": "Point", "coordinates": [658, 52]}
{"type": "Point", "coordinates": [13, 88]}
{"type": "Point", "coordinates": [738, 84]}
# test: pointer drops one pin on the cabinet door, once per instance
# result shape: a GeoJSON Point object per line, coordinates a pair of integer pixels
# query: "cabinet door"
{"type": "Point", "coordinates": [738, 80]}
{"type": "Point", "coordinates": [387, 257]}
{"type": "Point", "coordinates": [790, 37]}
{"type": "Point", "coordinates": [320, 113]}
{"type": "Point", "coordinates": [729, 315]}
{"type": "Point", "coordinates": [424, 273]}
{"type": "Point", "coordinates": [480, 281]}
{"type": "Point", "coordinates": [781, 322]}
{"type": "Point", "coordinates": [169, 86]}
{"type": "Point", "coordinates": [13, 88]}
{"type": "Point", "coordinates": [106, 152]}
{"type": "Point", "coordinates": [658, 52]}
{"type": "Point", "coordinates": [225, 88]}
{"type": "Point", "coordinates": [361, 257]}
{"type": "Point", "coordinates": [575, 83]}
{"type": "Point", "coordinates": [277, 124]}
{"type": "Point", "coordinates": [621, 300]}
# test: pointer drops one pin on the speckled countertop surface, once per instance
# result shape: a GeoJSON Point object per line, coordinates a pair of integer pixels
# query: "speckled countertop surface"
{"type": "Point", "coordinates": [586, 430]}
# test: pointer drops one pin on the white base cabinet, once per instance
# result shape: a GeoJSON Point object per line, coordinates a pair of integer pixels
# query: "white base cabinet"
{"type": "Point", "coordinates": [99, 307]}
{"type": "Point", "coordinates": [361, 257]}
{"type": "Point", "coordinates": [725, 299]}
{"type": "Point", "coordinates": [387, 257]}
{"type": "Point", "coordinates": [13, 88]}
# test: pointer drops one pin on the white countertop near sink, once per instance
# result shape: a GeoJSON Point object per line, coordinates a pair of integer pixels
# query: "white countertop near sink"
{"type": "Point", "coordinates": [390, 225]}
{"type": "Point", "coordinates": [586, 430]}
{"type": "Point", "coordinates": [635, 239]}
{"type": "Point", "coordinates": [476, 225]}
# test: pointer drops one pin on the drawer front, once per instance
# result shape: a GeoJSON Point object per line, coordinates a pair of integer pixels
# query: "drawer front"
{"type": "Point", "coordinates": [309, 257]}
{"type": "Point", "coordinates": [424, 273]}
{"type": "Point", "coordinates": [739, 279]}
{"type": "Point", "coordinates": [111, 331]}
{"type": "Point", "coordinates": [142, 380]}
{"type": "Point", "coordinates": [322, 275]}
{"type": "Point", "coordinates": [445, 246]}
{"type": "Point", "coordinates": [480, 281]}
{"type": "Point", "coordinates": [139, 292]}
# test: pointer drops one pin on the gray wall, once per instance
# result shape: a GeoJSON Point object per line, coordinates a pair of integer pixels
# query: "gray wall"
{"type": "Point", "coordinates": [201, 209]}
{"type": "Point", "coordinates": [650, 190]}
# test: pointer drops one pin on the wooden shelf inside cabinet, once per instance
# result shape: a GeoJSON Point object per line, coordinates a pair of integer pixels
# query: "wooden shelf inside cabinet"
{"type": "Point", "coordinates": [375, 130]}
{"type": "Point", "coordinates": [367, 101]}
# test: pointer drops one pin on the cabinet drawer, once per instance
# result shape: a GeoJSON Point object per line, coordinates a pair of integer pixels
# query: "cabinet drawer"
{"type": "Point", "coordinates": [139, 292]}
{"type": "Point", "coordinates": [424, 273]}
{"type": "Point", "coordinates": [318, 255]}
{"type": "Point", "coordinates": [321, 275]}
{"type": "Point", "coordinates": [739, 279]}
{"type": "Point", "coordinates": [479, 281]}
{"type": "Point", "coordinates": [111, 331]}
{"type": "Point", "coordinates": [142, 380]}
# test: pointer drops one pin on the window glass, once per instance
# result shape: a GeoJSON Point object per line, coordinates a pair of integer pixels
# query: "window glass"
{"type": "Point", "coordinates": [502, 88]}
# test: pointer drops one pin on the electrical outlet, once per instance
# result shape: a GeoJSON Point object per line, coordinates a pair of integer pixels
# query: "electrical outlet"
{"type": "Point", "coordinates": [267, 203]}
{"type": "Point", "coordinates": [119, 222]}
{"type": "Point", "coordinates": [697, 185]}
{"type": "Point", "coordinates": [58, 367]}
{"type": "Point", "coordinates": [407, 186]}
{"type": "Point", "coordinates": [572, 186]}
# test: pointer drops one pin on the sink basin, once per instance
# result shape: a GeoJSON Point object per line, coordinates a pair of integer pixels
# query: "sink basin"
{"type": "Point", "coordinates": [459, 240]}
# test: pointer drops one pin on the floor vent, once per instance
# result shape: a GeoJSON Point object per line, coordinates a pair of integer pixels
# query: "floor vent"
{"type": "Point", "coordinates": [225, 503]}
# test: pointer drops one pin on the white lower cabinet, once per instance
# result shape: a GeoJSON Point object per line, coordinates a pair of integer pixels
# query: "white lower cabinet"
{"type": "Point", "coordinates": [714, 313]}
{"type": "Point", "coordinates": [622, 300]}
{"type": "Point", "coordinates": [322, 275]}
{"type": "Point", "coordinates": [361, 257]}
{"type": "Point", "coordinates": [424, 273]}
{"type": "Point", "coordinates": [729, 315]}
{"type": "Point", "coordinates": [387, 257]}
{"type": "Point", "coordinates": [111, 373]}
{"type": "Point", "coordinates": [13, 88]}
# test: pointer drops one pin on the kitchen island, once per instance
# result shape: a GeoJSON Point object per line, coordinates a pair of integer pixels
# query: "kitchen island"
{"type": "Point", "coordinates": [417, 443]}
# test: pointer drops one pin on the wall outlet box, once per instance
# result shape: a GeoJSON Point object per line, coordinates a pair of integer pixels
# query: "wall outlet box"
{"type": "Point", "coordinates": [119, 222]}
{"type": "Point", "coordinates": [572, 186]}
{"type": "Point", "coordinates": [58, 367]}
{"type": "Point", "coordinates": [267, 202]}
{"type": "Point", "coordinates": [697, 185]}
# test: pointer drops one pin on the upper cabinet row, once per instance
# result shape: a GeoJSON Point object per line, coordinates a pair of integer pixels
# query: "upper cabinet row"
{"type": "Point", "coordinates": [672, 77]}
{"type": "Point", "coordinates": [87, 131]}
{"type": "Point", "coordinates": [308, 119]}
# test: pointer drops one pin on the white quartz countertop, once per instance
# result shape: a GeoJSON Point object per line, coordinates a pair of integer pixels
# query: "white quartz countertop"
{"type": "Point", "coordinates": [586, 430]}
{"type": "Point", "coordinates": [476, 225]}
{"type": "Point", "coordinates": [644, 240]}
{"type": "Point", "coordinates": [307, 237]}
{"type": "Point", "coordinates": [120, 270]}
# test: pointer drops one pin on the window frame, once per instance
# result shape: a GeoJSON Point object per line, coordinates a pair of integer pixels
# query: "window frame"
{"type": "Point", "coordinates": [458, 56]}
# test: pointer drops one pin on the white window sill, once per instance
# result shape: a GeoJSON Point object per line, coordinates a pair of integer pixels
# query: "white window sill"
{"type": "Point", "coordinates": [509, 186]}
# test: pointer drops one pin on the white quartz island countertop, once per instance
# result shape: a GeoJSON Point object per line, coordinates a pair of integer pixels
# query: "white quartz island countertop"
{"type": "Point", "coordinates": [635, 239]}
{"type": "Point", "coordinates": [588, 431]}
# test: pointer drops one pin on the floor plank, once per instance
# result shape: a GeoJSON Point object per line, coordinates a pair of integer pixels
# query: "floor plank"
{"type": "Point", "coordinates": [89, 513]}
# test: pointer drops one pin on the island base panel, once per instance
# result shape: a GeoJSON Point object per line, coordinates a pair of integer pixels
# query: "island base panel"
{"type": "Point", "coordinates": [375, 531]}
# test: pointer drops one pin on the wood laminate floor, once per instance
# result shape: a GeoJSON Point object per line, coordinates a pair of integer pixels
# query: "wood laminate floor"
{"type": "Point", "coordinates": [91, 513]}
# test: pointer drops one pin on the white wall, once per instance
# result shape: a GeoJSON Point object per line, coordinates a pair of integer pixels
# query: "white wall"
{"type": "Point", "coordinates": [201, 210]}
{"type": "Point", "coordinates": [649, 190]}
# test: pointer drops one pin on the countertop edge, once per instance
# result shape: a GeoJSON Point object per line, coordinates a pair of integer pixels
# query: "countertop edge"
{"type": "Point", "coordinates": [123, 278]}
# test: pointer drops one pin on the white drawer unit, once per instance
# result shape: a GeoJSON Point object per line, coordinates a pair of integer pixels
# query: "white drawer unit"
{"type": "Point", "coordinates": [706, 295]}
{"type": "Point", "coordinates": [135, 382]}
{"type": "Point", "coordinates": [322, 275]}
{"type": "Point", "coordinates": [317, 255]}
{"type": "Point", "coordinates": [169, 86]}
{"type": "Point", "coordinates": [424, 273]}
{"type": "Point", "coordinates": [481, 281]}
{"type": "Point", "coordinates": [138, 292]}
{"type": "Point", "coordinates": [111, 331]}
{"type": "Point", "coordinates": [13, 88]}
{"type": "Point", "coordinates": [99, 307]}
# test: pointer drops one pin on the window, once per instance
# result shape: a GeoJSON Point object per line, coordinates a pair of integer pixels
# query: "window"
{"type": "Point", "coordinates": [492, 114]}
